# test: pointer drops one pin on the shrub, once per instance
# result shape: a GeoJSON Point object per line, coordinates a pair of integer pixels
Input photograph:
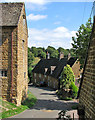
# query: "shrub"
{"type": "Point", "coordinates": [74, 89]}
{"type": "Point", "coordinates": [67, 77]}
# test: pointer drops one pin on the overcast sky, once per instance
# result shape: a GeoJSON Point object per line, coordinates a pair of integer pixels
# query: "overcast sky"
{"type": "Point", "coordinates": [54, 23]}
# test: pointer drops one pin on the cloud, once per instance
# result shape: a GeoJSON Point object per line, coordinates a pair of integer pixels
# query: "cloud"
{"type": "Point", "coordinates": [58, 37]}
{"type": "Point", "coordinates": [57, 23]}
{"type": "Point", "coordinates": [36, 17]}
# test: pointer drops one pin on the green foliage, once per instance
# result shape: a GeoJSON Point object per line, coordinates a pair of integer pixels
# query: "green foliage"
{"type": "Point", "coordinates": [80, 43]}
{"type": "Point", "coordinates": [12, 109]}
{"type": "Point", "coordinates": [30, 58]}
{"type": "Point", "coordinates": [34, 51]}
{"type": "Point", "coordinates": [74, 89]}
{"type": "Point", "coordinates": [67, 77]}
{"type": "Point", "coordinates": [30, 101]}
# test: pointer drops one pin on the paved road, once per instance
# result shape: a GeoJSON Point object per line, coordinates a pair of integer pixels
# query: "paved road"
{"type": "Point", "coordinates": [47, 106]}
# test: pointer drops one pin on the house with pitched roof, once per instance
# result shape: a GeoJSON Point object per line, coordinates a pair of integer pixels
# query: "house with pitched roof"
{"type": "Point", "coordinates": [13, 48]}
{"type": "Point", "coordinates": [49, 70]}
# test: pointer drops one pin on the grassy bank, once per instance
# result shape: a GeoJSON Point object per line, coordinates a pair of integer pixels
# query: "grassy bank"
{"type": "Point", "coordinates": [10, 109]}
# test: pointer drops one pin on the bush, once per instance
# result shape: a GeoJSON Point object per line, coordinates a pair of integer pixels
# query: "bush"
{"type": "Point", "coordinates": [67, 77]}
{"type": "Point", "coordinates": [74, 89]}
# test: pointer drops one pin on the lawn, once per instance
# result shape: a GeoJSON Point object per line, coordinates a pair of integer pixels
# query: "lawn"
{"type": "Point", "coordinates": [10, 109]}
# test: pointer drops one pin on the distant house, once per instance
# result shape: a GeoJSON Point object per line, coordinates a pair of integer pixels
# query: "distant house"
{"type": "Point", "coordinates": [86, 109]}
{"type": "Point", "coordinates": [75, 65]}
{"type": "Point", "coordinates": [49, 70]}
{"type": "Point", "coordinates": [13, 48]}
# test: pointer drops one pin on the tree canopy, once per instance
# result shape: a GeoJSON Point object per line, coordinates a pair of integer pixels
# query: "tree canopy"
{"type": "Point", "coordinates": [80, 43]}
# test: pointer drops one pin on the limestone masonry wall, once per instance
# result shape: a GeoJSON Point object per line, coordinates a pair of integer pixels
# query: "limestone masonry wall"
{"type": "Point", "coordinates": [20, 75]}
{"type": "Point", "coordinates": [87, 92]}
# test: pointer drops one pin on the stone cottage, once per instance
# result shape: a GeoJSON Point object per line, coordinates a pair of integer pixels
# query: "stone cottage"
{"type": "Point", "coordinates": [86, 94]}
{"type": "Point", "coordinates": [13, 48]}
{"type": "Point", "coordinates": [49, 70]}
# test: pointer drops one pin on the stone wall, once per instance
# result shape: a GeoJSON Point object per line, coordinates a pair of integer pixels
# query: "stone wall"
{"type": "Point", "coordinates": [22, 79]}
{"type": "Point", "coordinates": [20, 75]}
{"type": "Point", "coordinates": [6, 61]}
{"type": "Point", "coordinates": [87, 91]}
{"type": "Point", "coordinates": [76, 69]}
{"type": "Point", "coordinates": [50, 81]}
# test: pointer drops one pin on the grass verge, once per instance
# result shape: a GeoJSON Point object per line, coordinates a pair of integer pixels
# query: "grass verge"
{"type": "Point", "coordinates": [10, 109]}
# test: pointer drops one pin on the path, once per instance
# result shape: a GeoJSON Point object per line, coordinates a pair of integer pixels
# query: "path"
{"type": "Point", "coordinates": [47, 105]}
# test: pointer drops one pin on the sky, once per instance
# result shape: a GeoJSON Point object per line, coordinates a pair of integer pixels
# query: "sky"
{"type": "Point", "coordinates": [54, 23]}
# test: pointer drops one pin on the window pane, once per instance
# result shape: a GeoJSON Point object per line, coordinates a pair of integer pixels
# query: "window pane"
{"type": "Point", "coordinates": [5, 73]}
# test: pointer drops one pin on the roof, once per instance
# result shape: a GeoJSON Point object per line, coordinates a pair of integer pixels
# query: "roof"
{"type": "Point", "coordinates": [47, 63]}
{"type": "Point", "coordinates": [10, 13]}
{"type": "Point", "coordinates": [71, 61]}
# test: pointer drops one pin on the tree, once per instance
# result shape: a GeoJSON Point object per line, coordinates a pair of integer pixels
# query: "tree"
{"type": "Point", "coordinates": [30, 61]}
{"type": "Point", "coordinates": [80, 43]}
{"type": "Point", "coordinates": [67, 77]}
{"type": "Point", "coordinates": [34, 51]}
{"type": "Point", "coordinates": [30, 57]}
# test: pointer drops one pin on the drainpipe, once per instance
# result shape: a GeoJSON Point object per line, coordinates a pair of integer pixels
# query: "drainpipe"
{"type": "Point", "coordinates": [11, 67]}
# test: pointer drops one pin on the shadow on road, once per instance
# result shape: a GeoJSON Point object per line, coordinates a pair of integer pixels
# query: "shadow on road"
{"type": "Point", "coordinates": [53, 105]}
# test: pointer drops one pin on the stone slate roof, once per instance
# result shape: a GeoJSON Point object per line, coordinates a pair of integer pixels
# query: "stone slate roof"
{"type": "Point", "coordinates": [71, 61]}
{"type": "Point", "coordinates": [47, 63]}
{"type": "Point", "coordinates": [10, 13]}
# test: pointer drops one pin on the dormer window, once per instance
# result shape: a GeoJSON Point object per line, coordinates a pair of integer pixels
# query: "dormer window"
{"type": "Point", "coordinates": [46, 69]}
{"type": "Point", "coordinates": [52, 69]}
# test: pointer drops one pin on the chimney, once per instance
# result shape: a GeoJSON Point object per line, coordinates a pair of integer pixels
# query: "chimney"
{"type": "Point", "coordinates": [69, 56]}
{"type": "Point", "coordinates": [61, 55]}
{"type": "Point", "coordinates": [47, 55]}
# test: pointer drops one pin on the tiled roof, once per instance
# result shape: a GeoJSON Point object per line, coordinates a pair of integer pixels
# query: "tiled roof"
{"type": "Point", "coordinates": [47, 63]}
{"type": "Point", "coordinates": [10, 13]}
{"type": "Point", "coordinates": [71, 61]}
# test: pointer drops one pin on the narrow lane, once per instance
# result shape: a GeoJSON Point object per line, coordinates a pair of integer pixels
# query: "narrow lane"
{"type": "Point", "coordinates": [47, 105]}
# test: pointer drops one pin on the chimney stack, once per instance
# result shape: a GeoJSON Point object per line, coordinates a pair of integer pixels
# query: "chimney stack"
{"type": "Point", "coordinates": [69, 56]}
{"type": "Point", "coordinates": [61, 55]}
{"type": "Point", "coordinates": [47, 55]}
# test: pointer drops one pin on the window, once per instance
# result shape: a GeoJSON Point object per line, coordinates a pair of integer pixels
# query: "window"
{"type": "Point", "coordinates": [23, 21]}
{"type": "Point", "coordinates": [24, 17]}
{"type": "Point", "coordinates": [39, 75]}
{"type": "Point", "coordinates": [23, 44]}
{"type": "Point", "coordinates": [3, 73]}
{"type": "Point", "coordinates": [45, 76]}
{"type": "Point", "coordinates": [46, 69]}
{"type": "Point", "coordinates": [52, 69]}
{"type": "Point", "coordinates": [24, 74]}
{"type": "Point", "coordinates": [35, 74]}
